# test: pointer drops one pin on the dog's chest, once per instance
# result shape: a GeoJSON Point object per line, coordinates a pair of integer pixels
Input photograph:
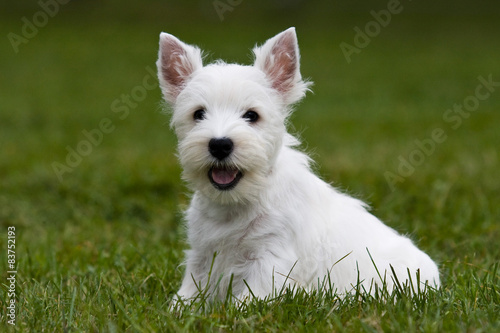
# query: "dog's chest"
{"type": "Point", "coordinates": [238, 236]}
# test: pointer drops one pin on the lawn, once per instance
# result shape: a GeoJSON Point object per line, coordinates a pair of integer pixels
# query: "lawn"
{"type": "Point", "coordinates": [90, 181]}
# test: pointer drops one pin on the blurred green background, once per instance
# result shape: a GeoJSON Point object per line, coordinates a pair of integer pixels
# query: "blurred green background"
{"type": "Point", "coordinates": [361, 117]}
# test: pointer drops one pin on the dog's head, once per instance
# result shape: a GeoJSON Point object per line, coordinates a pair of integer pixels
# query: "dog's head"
{"type": "Point", "coordinates": [230, 119]}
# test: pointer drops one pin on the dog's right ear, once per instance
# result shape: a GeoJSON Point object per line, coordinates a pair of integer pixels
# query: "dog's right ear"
{"type": "Point", "coordinates": [278, 58]}
{"type": "Point", "coordinates": [176, 63]}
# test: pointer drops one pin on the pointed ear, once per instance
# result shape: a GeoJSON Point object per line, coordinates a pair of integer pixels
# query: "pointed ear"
{"type": "Point", "coordinates": [176, 62]}
{"type": "Point", "coordinates": [279, 58]}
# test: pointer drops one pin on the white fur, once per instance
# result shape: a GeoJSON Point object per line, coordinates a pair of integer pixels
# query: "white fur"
{"type": "Point", "coordinates": [281, 224]}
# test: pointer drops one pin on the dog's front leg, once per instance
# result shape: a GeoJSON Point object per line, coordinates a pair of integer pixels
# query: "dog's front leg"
{"type": "Point", "coordinates": [265, 277]}
{"type": "Point", "coordinates": [188, 287]}
{"type": "Point", "coordinates": [195, 277]}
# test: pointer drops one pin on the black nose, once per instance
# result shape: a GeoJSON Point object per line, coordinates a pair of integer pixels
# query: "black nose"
{"type": "Point", "coordinates": [220, 148]}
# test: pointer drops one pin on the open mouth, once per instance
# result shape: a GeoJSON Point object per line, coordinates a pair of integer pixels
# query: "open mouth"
{"type": "Point", "coordinates": [224, 178]}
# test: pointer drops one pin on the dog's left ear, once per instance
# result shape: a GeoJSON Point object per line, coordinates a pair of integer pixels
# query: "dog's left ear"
{"type": "Point", "coordinates": [279, 59]}
{"type": "Point", "coordinates": [177, 61]}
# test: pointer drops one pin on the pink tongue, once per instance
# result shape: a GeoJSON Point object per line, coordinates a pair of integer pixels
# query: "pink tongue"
{"type": "Point", "coordinates": [223, 176]}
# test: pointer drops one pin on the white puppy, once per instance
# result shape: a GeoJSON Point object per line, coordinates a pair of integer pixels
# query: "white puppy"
{"type": "Point", "coordinates": [260, 219]}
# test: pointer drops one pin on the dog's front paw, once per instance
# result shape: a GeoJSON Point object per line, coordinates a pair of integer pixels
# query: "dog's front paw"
{"type": "Point", "coordinates": [182, 299]}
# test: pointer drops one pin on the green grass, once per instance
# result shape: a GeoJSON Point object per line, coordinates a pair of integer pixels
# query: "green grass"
{"type": "Point", "coordinates": [100, 250]}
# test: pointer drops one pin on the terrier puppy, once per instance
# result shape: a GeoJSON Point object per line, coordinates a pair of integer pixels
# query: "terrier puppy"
{"type": "Point", "coordinates": [259, 218]}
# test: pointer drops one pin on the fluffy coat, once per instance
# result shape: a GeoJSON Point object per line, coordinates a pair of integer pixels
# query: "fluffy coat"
{"type": "Point", "coordinates": [257, 205]}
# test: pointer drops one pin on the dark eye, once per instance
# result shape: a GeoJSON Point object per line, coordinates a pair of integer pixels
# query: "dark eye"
{"type": "Point", "coordinates": [251, 116]}
{"type": "Point", "coordinates": [199, 114]}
